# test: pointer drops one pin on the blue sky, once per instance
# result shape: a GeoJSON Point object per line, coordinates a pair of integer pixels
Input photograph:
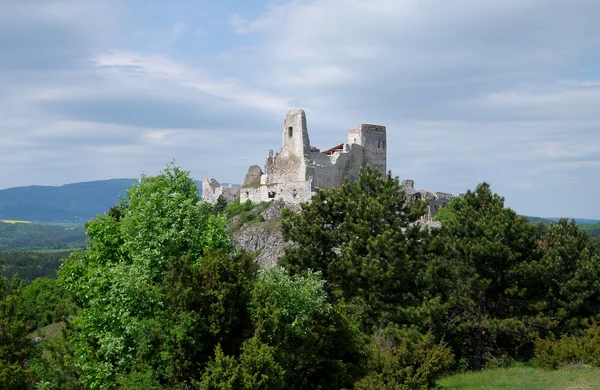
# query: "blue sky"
{"type": "Point", "coordinates": [502, 91]}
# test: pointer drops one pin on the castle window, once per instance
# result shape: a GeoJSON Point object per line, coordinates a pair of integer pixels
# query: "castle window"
{"type": "Point", "coordinates": [290, 131]}
{"type": "Point", "coordinates": [272, 193]}
{"type": "Point", "coordinates": [379, 144]}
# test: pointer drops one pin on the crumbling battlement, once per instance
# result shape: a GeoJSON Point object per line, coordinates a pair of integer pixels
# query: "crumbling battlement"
{"type": "Point", "coordinates": [299, 169]}
{"type": "Point", "coordinates": [295, 173]}
{"type": "Point", "coordinates": [212, 189]}
{"type": "Point", "coordinates": [435, 199]}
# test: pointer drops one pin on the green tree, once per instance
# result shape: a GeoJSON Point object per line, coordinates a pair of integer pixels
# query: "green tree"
{"type": "Point", "coordinates": [255, 369]}
{"type": "Point", "coordinates": [405, 359]}
{"type": "Point", "coordinates": [15, 345]}
{"type": "Point", "coordinates": [41, 299]}
{"type": "Point", "coordinates": [206, 305]}
{"type": "Point", "coordinates": [363, 238]}
{"type": "Point", "coordinates": [479, 278]}
{"type": "Point", "coordinates": [118, 280]}
{"type": "Point", "coordinates": [315, 342]}
{"type": "Point", "coordinates": [569, 296]}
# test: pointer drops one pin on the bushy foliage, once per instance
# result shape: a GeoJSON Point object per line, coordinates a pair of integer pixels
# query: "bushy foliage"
{"type": "Point", "coordinates": [31, 265]}
{"type": "Point", "coordinates": [255, 369]}
{"type": "Point", "coordinates": [206, 305]}
{"type": "Point", "coordinates": [363, 240]}
{"type": "Point", "coordinates": [55, 369]}
{"type": "Point", "coordinates": [118, 280]}
{"type": "Point", "coordinates": [481, 297]}
{"type": "Point", "coordinates": [369, 298]}
{"type": "Point", "coordinates": [15, 345]}
{"type": "Point", "coordinates": [569, 272]}
{"type": "Point", "coordinates": [46, 302]}
{"type": "Point", "coordinates": [569, 349]}
{"type": "Point", "coordinates": [316, 343]}
{"type": "Point", "coordinates": [405, 359]}
{"type": "Point", "coordinates": [241, 213]}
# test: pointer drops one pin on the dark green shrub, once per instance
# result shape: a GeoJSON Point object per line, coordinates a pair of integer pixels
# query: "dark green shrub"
{"type": "Point", "coordinates": [405, 359]}
{"type": "Point", "coordinates": [569, 350]}
{"type": "Point", "coordinates": [256, 369]}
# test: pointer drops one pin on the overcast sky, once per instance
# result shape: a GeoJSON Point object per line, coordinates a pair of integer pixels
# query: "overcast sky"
{"type": "Point", "coordinates": [503, 91]}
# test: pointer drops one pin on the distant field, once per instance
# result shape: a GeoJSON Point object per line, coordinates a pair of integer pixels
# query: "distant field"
{"type": "Point", "coordinates": [29, 237]}
{"type": "Point", "coordinates": [525, 378]}
{"type": "Point", "coordinates": [11, 221]}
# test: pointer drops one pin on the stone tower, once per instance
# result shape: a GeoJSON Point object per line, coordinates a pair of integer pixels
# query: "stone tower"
{"type": "Point", "coordinates": [373, 140]}
{"type": "Point", "coordinates": [290, 164]}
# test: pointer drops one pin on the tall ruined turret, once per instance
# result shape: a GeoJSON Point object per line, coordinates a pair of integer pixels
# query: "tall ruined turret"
{"type": "Point", "coordinates": [289, 165]}
{"type": "Point", "coordinates": [373, 140]}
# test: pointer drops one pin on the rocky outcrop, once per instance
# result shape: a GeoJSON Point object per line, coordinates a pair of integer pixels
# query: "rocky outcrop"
{"type": "Point", "coordinates": [264, 238]}
{"type": "Point", "coordinates": [435, 199]}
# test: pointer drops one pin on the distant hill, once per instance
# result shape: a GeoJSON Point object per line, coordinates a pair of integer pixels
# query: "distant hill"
{"type": "Point", "coordinates": [71, 203]}
{"type": "Point", "coordinates": [74, 203]}
{"type": "Point", "coordinates": [579, 221]}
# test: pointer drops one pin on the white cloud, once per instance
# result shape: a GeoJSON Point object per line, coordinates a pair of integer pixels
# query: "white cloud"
{"type": "Point", "coordinates": [129, 63]}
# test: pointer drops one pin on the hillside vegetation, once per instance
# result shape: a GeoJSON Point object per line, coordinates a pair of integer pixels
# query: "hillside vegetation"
{"type": "Point", "coordinates": [41, 237]}
{"type": "Point", "coordinates": [364, 297]}
{"type": "Point", "coordinates": [592, 229]}
{"type": "Point", "coordinates": [31, 265]}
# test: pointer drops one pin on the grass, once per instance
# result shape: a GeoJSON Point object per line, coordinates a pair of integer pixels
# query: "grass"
{"type": "Point", "coordinates": [523, 377]}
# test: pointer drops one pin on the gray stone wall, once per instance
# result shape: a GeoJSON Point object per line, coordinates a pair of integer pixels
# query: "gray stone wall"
{"type": "Point", "coordinates": [292, 193]}
{"type": "Point", "coordinates": [331, 171]}
{"type": "Point", "coordinates": [212, 189]}
{"type": "Point", "coordinates": [374, 141]}
{"type": "Point", "coordinates": [298, 170]}
{"type": "Point", "coordinates": [253, 176]}
{"type": "Point", "coordinates": [290, 164]}
{"type": "Point", "coordinates": [435, 199]}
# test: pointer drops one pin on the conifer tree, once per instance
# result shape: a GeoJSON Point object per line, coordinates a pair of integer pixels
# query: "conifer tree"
{"type": "Point", "coordinates": [364, 240]}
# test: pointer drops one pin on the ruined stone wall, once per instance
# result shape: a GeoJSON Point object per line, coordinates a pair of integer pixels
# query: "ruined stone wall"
{"type": "Point", "coordinates": [212, 189]}
{"type": "Point", "coordinates": [298, 170]}
{"type": "Point", "coordinates": [292, 193]}
{"type": "Point", "coordinates": [331, 171]}
{"type": "Point", "coordinates": [374, 142]}
{"type": "Point", "coordinates": [436, 199]}
{"type": "Point", "coordinates": [290, 164]}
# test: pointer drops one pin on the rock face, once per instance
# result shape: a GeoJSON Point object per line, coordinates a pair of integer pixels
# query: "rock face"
{"type": "Point", "coordinates": [264, 238]}
{"type": "Point", "coordinates": [435, 199]}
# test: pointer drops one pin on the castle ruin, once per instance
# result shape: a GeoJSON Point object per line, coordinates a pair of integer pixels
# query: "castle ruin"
{"type": "Point", "coordinates": [299, 169]}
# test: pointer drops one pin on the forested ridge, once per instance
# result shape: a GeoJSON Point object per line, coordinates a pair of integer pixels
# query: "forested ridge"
{"type": "Point", "coordinates": [365, 298]}
{"type": "Point", "coordinates": [28, 237]}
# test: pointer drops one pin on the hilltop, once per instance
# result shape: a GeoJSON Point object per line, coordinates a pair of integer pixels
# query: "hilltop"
{"type": "Point", "coordinates": [74, 203]}
{"type": "Point", "coordinates": [70, 203]}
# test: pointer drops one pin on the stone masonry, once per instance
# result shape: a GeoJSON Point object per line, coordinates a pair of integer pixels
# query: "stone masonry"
{"type": "Point", "coordinates": [295, 173]}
